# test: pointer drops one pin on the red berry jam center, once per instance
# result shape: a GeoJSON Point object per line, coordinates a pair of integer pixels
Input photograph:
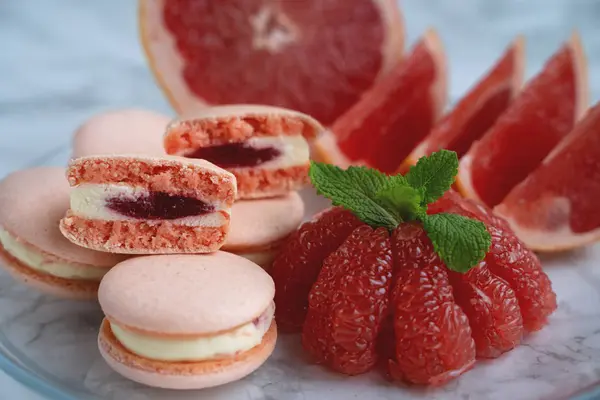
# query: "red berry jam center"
{"type": "Point", "coordinates": [236, 155]}
{"type": "Point", "coordinates": [158, 205]}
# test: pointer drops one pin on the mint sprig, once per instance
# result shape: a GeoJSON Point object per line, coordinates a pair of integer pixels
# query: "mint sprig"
{"type": "Point", "coordinates": [387, 201]}
{"type": "Point", "coordinates": [355, 189]}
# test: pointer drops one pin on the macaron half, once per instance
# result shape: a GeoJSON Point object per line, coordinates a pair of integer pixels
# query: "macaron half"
{"type": "Point", "coordinates": [267, 148]}
{"type": "Point", "coordinates": [259, 227]}
{"type": "Point", "coordinates": [32, 249]}
{"type": "Point", "coordinates": [133, 204]}
{"type": "Point", "coordinates": [127, 131]}
{"type": "Point", "coordinates": [187, 321]}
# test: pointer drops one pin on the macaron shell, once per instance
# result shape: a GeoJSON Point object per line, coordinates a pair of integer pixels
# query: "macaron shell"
{"type": "Point", "coordinates": [184, 375]}
{"type": "Point", "coordinates": [261, 224]}
{"type": "Point", "coordinates": [186, 294]}
{"type": "Point", "coordinates": [32, 203]}
{"type": "Point", "coordinates": [121, 132]}
{"type": "Point", "coordinates": [250, 110]}
{"type": "Point", "coordinates": [48, 284]}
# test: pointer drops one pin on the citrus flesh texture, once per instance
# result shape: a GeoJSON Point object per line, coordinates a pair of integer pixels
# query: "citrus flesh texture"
{"type": "Point", "coordinates": [298, 263]}
{"type": "Point", "coordinates": [316, 57]}
{"type": "Point", "coordinates": [535, 122]}
{"type": "Point", "coordinates": [433, 342]}
{"type": "Point", "coordinates": [556, 207]}
{"type": "Point", "coordinates": [331, 273]}
{"type": "Point", "coordinates": [398, 111]}
{"type": "Point", "coordinates": [348, 302]}
{"type": "Point", "coordinates": [477, 111]}
{"type": "Point", "coordinates": [510, 260]}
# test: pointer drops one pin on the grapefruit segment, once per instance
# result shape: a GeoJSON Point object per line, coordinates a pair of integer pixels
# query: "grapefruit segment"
{"type": "Point", "coordinates": [314, 56]}
{"type": "Point", "coordinates": [542, 114]}
{"type": "Point", "coordinates": [397, 112]}
{"type": "Point", "coordinates": [556, 207]}
{"type": "Point", "coordinates": [476, 112]}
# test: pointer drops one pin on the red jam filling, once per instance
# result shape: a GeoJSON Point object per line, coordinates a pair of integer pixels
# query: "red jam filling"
{"type": "Point", "coordinates": [235, 155]}
{"type": "Point", "coordinates": [158, 205]}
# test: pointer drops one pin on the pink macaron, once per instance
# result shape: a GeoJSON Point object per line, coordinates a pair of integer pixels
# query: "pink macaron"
{"type": "Point", "coordinates": [32, 202]}
{"type": "Point", "coordinates": [128, 131]}
{"type": "Point", "coordinates": [267, 148]}
{"type": "Point", "coordinates": [187, 321]}
{"type": "Point", "coordinates": [259, 227]}
{"type": "Point", "coordinates": [148, 205]}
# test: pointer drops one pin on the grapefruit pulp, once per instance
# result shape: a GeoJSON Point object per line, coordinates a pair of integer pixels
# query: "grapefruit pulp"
{"type": "Point", "coordinates": [314, 56]}
{"type": "Point", "coordinates": [395, 114]}
{"type": "Point", "coordinates": [556, 207]}
{"type": "Point", "coordinates": [542, 114]}
{"type": "Point", "coordinates": [477, 111]}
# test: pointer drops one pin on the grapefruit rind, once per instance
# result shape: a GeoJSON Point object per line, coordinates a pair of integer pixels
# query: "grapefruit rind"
{"type": "Point", "coordinates": [582, 83]}
{"type": "Point", "coordinates": [557, 240]}
{"type": "Point", "coordinates": [440, 86]}
{"type": "Point", "coordinates": [325, 149]}
{"type": "Point", "coordinates": [393, 44]}
{"type": "Point", "coordinates": [464, 183]}
{"type": "Point", "coordinates": [167, 65]}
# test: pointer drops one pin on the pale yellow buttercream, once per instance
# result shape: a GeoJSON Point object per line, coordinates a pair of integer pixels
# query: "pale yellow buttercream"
{"type": "Point", "coordinates": [38, 261]}
{"type": "Point", "coordinates": [154, 347]}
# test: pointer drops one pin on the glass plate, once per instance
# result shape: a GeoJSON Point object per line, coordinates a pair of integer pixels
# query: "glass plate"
{"type": "Point", "coordinates": [50, 346]}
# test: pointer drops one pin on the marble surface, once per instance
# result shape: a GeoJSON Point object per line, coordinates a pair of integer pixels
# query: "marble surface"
{"type": "Point", "coordinates": [64, 60]}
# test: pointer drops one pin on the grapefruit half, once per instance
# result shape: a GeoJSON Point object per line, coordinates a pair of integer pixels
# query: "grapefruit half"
{"type": "Point", "coordinates": [389, 120]}
{"type": "Point", "coordinates": [556, 207]}
{"type": "Point", "coordinates": [314, 56]}
{"type": "Point", "coordinates": [543, 113]}
{"type": "Point", "coordinates": [477, 111]}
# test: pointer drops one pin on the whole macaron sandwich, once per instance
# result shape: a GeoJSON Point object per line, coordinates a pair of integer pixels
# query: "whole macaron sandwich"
{"type": "Point", "coordinates": [187, 321]}
{"type": "Point", "coordinates": [259, 227]}
{"type": "Point", "coordinates": [32, 249]}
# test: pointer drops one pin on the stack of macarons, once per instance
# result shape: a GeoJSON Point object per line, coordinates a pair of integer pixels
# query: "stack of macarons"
{"type": "Point", "coordinates": [140, 217]}
{"type": "Point", "coordinates": [267, 149]}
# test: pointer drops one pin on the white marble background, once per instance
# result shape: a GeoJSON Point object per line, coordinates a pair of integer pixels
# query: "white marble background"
{"type": "Point", "coordinates": [63, 60]}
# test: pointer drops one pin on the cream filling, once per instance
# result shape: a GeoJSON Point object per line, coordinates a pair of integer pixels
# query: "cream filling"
{"type": "Point", "coordinates": [294, 150]}
{"type": "Point", "coordinates": [37, 261]}
{"type": "Point", "coordinates": [199, 348]}
{"type": "Point", "coordinates": [88, 200]}
{"type": "Point", "coordinates": [262, 258]}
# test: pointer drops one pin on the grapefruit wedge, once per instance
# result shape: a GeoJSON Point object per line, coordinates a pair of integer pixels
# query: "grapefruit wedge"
{"type": "Point", "coordinates": [314, 56]}
{"type": "Point", "coordinates": [395, 114]}
{"type": "Point", "coordinates": [556, 207]}
{"type": "Point", "coordinates": [543, 113]}
{"type": "Point", "coordinates": [476, 112]}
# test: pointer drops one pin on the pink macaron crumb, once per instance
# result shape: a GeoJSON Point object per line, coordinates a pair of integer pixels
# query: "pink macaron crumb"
{"type": "Point", "coordinates": [183, 136]}
{"type": "Point", "coordinates": [255, 182]}
{"type": "Point", "coordinates": [161, 176]}
{"type": "Point", "coordinates": [139, 236]}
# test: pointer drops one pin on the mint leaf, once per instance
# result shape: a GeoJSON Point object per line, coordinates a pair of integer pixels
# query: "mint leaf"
{"type": "Point", "coordinates": [355, 189]}
{"type": "Point", "coordinates": [460, 242]}
{"type": "Point", "coordinates": [403, 199]}
{"type": "Point", "coordinates": [434, 174]}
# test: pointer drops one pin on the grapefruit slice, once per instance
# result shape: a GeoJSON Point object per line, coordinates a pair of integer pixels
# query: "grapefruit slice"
{"type": "Point", "coordinates": [395, 114]}
{"type": "Point", "coordinates": [556, 207]}
{"type": "Point", "coordinates": [542, 114]}
{"type": "Point", "coordinates": [313, 56]}
{"type": "Point", "coordinates": [476, 112]}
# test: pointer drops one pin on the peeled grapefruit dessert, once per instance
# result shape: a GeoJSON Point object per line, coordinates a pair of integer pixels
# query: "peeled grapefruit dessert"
{"type": "Point", "coordinates": [405, 271]}
{"type": "Point", "coordinates": [477, 111]}
{"type": "Point", "coordinates": [536, 121]}
{"type": "Point", "coordinates": [389, 120]}
{"type": "Point", "coordinates": [315, 56]}
{"type": "Point", "coordinates": [556, 206]}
